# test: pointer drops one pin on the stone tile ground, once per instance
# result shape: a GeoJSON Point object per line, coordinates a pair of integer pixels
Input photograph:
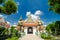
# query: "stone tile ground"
{"type": "Point", "coordinates": [30, 37]}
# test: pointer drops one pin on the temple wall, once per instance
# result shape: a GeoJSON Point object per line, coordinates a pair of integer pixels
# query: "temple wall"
{"type": "Point", "coordinates": [25, 30]}
{"type": "Point", "coordinates": [34, 30]}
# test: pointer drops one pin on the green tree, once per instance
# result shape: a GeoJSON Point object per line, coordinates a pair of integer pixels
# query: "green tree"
{"type": "Point", "coordinates": [54, 5]}
{"type": "Point", "coordinates": [54, 28]}
{"type": "Point", "coordinates": [1, 31]}
{"type": "Point", "coordinates": [49, 28]}
{"type": "Point", "coordinates": [9, 7]}
{"type": "Point", "coordinates": [1, 1]}
{"type": "Point", "coordinates": [1, 9]}
{"type": "Point", "coordinates": [14, 32]}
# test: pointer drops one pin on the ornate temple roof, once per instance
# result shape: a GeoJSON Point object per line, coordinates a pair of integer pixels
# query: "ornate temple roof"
{"type": "Point", "coordinates": [29, 22]}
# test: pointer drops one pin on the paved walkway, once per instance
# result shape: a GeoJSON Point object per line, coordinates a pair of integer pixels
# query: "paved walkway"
{"type": "Point", "coordinates": [30, 37]}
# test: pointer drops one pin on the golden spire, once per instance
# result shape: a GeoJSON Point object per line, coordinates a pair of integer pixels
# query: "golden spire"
{"type": "Point", "coordinates": [21, 18]}
{"type": "Point", "coordinates": [20, 21]}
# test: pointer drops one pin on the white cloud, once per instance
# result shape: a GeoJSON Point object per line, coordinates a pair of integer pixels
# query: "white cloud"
{"type": "Point", "coordinates": [45, 25]}
{"type": "Point", "coordinates": [28, 14]}
{"type": "Point", "coordinates": [2, 16]}
{"type": "Point", "coordinates": [38, 12]}
{"type": "Point", "coordinates": [34, 16]}
{"type": "Point", "coordinates": [14, 25]}
{"type": "Point", "coordinates": [8, 22]}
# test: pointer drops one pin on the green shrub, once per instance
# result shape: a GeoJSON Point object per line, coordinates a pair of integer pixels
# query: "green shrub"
{"type": "Point", "coordinates": [13, 38]}
{"type": "Point", "coordinates": [45, 36]}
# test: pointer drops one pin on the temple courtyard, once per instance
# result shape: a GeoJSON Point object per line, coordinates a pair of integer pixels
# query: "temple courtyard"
{"type": "Point", "coordinates": [30, 37]}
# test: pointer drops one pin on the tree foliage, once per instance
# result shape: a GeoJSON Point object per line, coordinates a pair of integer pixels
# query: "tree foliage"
{"type": "Point", "coordinates": [8, 33]}
{"type": "Point", "coordinates": [1, 9]}
{"type": "Point", "coordinates": [1, 1]}
{"type": "Point", "coordinates": [1, 30]}
{"type": "Point", "coordinates": [8, 7]}
{"type": "Point", "coordinates": [55, 5]}
{"type": "Point", "coordinates": [54, 28]}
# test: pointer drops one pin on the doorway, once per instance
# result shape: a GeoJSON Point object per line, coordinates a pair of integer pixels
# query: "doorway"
{"type": "Point", "coordinates": [30, 30]}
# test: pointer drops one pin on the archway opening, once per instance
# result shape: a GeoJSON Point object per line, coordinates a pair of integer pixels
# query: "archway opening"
{"type": "Point", "coordinates": [30, 30]}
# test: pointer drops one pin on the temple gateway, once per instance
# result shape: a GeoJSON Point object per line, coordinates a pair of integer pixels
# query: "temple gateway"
{"type": "Point", "coordinates": [30, 26]}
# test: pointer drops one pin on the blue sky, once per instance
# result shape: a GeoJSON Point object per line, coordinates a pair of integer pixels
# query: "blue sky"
{"type": "Point", "coordinates": [32, 6]}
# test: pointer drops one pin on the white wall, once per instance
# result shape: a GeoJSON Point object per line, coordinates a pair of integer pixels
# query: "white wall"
{"type": "Point", "coordinates": [25, 30]}
{"type": "Point", "coordinates": [34, 30]}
